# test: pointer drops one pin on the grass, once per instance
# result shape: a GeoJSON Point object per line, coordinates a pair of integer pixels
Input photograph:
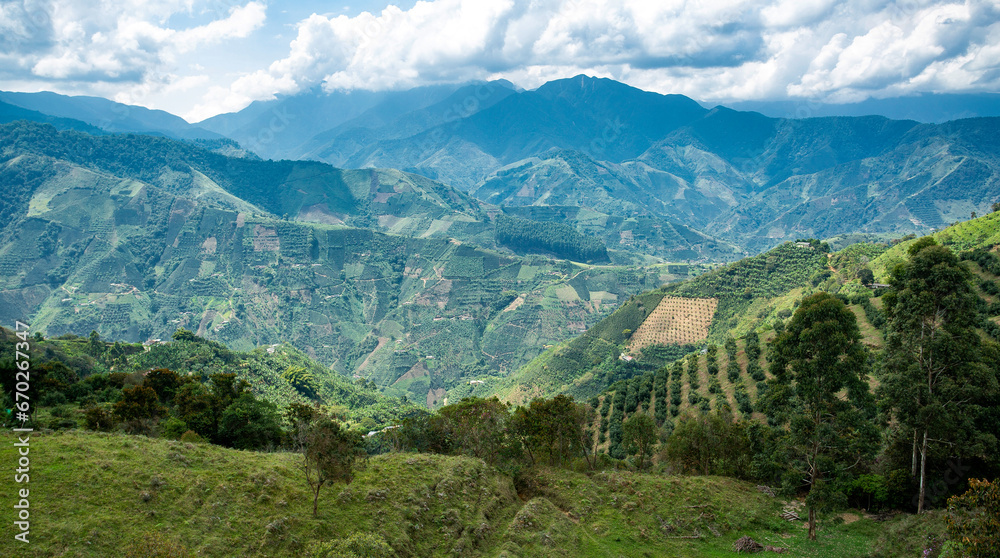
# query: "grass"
{"type": "Point", "coordinates": [97, 494]}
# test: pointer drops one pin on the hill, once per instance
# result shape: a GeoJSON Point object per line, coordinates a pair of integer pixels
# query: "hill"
{"type": "Point", "coordinates": [982, 233]}
{"type": "Point", "coordinates": [748, 297]}
{"type": "Point", "coordinates": [75, 371]}
{"type": "Point", "coordinates": [726, 301]}
{"type": "Point", "coordinates": [108, 115]}
{"type": "Point", "coordinates": [126, 493]}
{"type": "Point", "coordinates": [12, 113]}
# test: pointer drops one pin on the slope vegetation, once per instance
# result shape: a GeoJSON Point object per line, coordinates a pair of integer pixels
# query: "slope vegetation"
{"type": "Point", "coordinates": [125, 494]}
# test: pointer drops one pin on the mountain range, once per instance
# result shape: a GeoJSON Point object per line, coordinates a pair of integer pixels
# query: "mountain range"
{"type": "Point", "coordinates": [627, 154]}
{"type": "Point", "coordinates": [739, 176]}
{"type": "Point", "coordinates": [481, 225]}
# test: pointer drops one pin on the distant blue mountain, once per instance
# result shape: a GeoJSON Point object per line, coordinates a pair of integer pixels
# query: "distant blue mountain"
{"type": "Point", "coordinates": [284, 128]}
{"type": "Point", "coordinates": [108, 115]}
{"type": "Point", "coordinates": [927, 107]}
{"type": "Point", "coordinates": [630, 158]}
{"type": "Point", "coordinates": [12, 113]}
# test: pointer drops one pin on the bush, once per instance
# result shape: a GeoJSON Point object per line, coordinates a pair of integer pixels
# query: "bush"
{"type": "Point", "coordinates": [974, 519]}
{"type": "Point", "coordinates": [357, 545]}
{"type": "Point", "coordinates": [870, 492]}
{"type": "Point", "coordinates": [96, 418]}
{"type": "Point", "coordinates": [52, 399]}
{"type": "Point", "coordinates": [173, 428]}
{"type": "Point", "coordinates": [192, 437]}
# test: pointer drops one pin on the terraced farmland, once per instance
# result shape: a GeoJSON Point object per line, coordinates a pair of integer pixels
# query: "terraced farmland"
{"type": "Point", "coordinates": [675, 321]}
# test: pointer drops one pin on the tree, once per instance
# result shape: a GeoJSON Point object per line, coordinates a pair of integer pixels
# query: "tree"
{"type": "Point", "coordinates": [95, 347]}
{"type": "Point", "coordinates": [866, 276]}
{"type": "Point", "coordinates": [164, 382]}
{"type": "Point", "coordinates": [249, 424]}
{"type": "Point", "coordinates": [137, 405]}
{"type": "Point", "coordinates": [934, 378]}
{"type": "Point", "coordinates": [302, 380]}
{"type": "Point", "coordinates": [551, 429]}
{"type": "Point", "coordinates": [480, 428]}
{"type": "Point", "coordinates": [184, 335]}
{"type": "Point", "coordinates": [814, 361]}
{"type": "Point", "coordinates": [709, 444]}
{"type": "Point", "coordinates": [329, 450]}
{"type": "Point", "coordinates": [639, 435]}
{"type": "Point", "coordinates": [195, 408]}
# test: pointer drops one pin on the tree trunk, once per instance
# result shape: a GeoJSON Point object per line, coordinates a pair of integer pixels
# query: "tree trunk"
{"type": "Point", "coordinates": [586, 455]}
{"type": "Point", "coordinates": [923, 474]}
{"type": "Point", "coordinates": [316, 502]}
{"type": "Point", "coordinates": [812, 523]}
{"type": "Point", "coordinates": [913, 461]}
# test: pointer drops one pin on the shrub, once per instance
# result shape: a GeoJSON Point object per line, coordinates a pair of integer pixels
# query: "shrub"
{"type": "Point", "coordinates": [249, 423]}
{"type": "Point", "coordinates": [192, 437]}
{"type": "Point", "coordinates": [357, 545]}
{"type": "Point", "coordinates": [96, 418]}
{"type": "Point", "coordinates": [974, 519]}
{"type": "Point", "coordinates": [173, 428]}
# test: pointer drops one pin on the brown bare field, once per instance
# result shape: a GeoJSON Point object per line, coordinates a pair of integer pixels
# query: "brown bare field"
{"type": "Point", "coordinates": [675, 321]}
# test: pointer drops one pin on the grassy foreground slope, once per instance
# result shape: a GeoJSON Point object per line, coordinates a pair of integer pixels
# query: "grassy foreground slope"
{"type": "Point", "coordinates": [102, 494]}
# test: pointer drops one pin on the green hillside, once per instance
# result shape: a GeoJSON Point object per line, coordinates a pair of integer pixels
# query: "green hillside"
{"type": "Point", "coordinates": [74, 371]}
{"type": "Point", "coordinates": [753, 294]}
{"type": "Point", "coordinates": [748, 292]}
{"type": "Point", "coordinates": [981, 232]}
{"type": "Point", "coordinates": [134, 237]}
{"type": "Point", "coordinates": [130, 495]}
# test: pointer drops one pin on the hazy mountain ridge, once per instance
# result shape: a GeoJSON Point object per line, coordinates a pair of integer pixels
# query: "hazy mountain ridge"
{"type": "Point", "coordinates": [748, 178]}
{"type": "Point", "coordinates": [108, 115]}
{"type": "Point", "coordinates": [601, 145]}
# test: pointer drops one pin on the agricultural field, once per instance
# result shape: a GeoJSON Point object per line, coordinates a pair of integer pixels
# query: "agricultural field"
{"type": "Point", "coordinates": [675, 321]}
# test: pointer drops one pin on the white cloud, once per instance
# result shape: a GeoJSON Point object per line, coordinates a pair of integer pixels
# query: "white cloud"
{"type": "Point", "coordinates": [715, 50]}
{"type": "Point", "coordinates": [720, 50]}
{"type": "Point", "coordinates": [79, 42]}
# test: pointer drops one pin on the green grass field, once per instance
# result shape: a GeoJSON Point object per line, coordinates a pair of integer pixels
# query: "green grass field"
{"type": "Point", "coordinates": [102, 494]}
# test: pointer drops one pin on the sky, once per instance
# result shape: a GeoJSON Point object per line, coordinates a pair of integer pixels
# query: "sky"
{"type": "Point", "coordinates": [201, 58]}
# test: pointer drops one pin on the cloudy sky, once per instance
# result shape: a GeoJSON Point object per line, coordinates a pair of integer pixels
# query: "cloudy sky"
{"type": "Point", "coordinates": [199, 58]}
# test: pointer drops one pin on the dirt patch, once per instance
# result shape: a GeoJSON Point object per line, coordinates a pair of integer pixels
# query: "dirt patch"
{"type": "Point", "coordinates": [265, 239]}
{"type": "Point", "coordinates": [320, 213]}
{"type": "Point", "coordinates": [514, 305]}
{"type": "Point", "coordinates": [416, 371]}
{"type": "Point", "coordinates": [849, 518]}
{"type": "Point", "coordinates": [435, 395]}
{"type": "Point", "coordinates": [210, 244]}
{"type": "Point", "coordinates": [381, 343]}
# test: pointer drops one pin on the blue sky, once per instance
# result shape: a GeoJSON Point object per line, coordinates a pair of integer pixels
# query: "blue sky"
{"type": "Point", "coordinates": [200, 58]}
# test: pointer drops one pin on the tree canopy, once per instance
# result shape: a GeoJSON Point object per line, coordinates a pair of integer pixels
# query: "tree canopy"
{"type": "Point", "coordinates": [817, 358]}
